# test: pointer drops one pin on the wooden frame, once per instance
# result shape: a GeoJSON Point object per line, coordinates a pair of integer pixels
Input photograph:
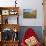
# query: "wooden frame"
{"type": "Point", "coordinates": [9, 11]}
{"type": "Point", "coordinates": [8, 25]}
{"type": "Point", "coordinates": [29, 13]}
{"type": "Point", "coordinates": [5, 12]}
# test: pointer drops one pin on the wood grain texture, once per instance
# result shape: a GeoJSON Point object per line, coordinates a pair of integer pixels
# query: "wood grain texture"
{"type": "Point", "coordinates": [11, 26]}
{"type": "Point", "coordinates": [9, 43]}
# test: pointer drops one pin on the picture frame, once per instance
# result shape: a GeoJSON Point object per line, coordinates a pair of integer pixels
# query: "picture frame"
{"type": "Point", "coordinates": [5, 12]}
{"type": "Point", "coordinates": [12, 12]}
{"type": "Point", "coordinates": [29, 13]}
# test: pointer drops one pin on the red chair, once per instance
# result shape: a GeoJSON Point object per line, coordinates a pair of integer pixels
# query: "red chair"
{"type": "Point", "coordinates": [29, 33]}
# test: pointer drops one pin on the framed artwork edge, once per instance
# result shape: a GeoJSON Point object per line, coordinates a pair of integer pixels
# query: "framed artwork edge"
{"type": "Point", "coordinates": [30, 13]}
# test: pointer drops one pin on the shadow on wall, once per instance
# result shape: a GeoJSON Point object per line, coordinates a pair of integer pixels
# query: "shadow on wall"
{"type": "Point", "coordinates": [37, 29]}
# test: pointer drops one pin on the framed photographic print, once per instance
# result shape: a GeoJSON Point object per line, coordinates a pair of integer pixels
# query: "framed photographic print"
{"type": "Point", "coordinates": [29, 13]}
{"type": "Point", "coordinates": [5, 12]}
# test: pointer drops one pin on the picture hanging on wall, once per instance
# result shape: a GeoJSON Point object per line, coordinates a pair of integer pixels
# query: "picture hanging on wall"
{"type": "Point", "coordinates": [29, 13]}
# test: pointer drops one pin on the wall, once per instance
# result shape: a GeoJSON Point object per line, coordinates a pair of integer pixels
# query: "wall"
{"type": "Point", "coordinates": [33, 4]}
{"type": "Point", "coordinates": [7, 3]}
{"type": "Point", "coordinates": [27, 4]}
